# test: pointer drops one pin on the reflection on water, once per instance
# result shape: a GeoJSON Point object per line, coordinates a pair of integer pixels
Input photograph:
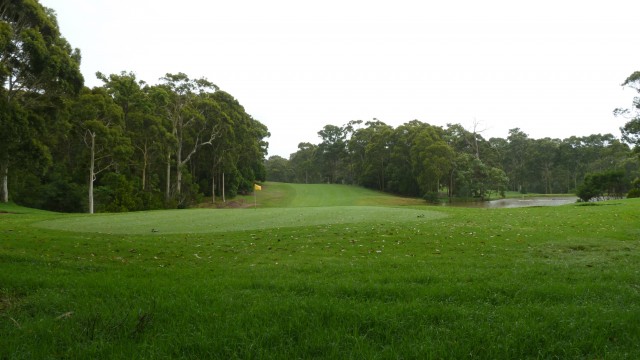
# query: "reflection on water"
{"type": "Point", "coordinates": [516, 203]}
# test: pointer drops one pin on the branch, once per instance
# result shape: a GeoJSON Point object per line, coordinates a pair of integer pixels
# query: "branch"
{"type": "Point", "coordinates": [214, 133]}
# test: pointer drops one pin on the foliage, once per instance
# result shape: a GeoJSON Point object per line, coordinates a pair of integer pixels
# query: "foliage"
{"type": "Point", "coordinates": [599, 186]}
{"type": "Point", "coordinates": [417, 158]}
{"type": "Point", "coordinates": [278, 169]}
{"type": "Point", "coordinates": [432, 197]}
{"type": "Point", "coordinates": [38, 69]}
{"type": "Point", "coordinates": [631, 130]}
{"type": "Point", "coordinates": [634, 192]}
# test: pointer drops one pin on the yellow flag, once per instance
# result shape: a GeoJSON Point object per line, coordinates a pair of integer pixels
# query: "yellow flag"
{"type": "Point", "coordinates": [257, 187]}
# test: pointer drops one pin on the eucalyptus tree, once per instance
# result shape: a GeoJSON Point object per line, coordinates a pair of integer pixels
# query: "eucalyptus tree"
{"type": "Point", "coordinates": [516, 159]}
{"type": "Point", "coordinates": [142, 110]}
{"type": "Point", "coordinates": [426, 138]}
{"type": "Point", "coordinates": [332, 151]}
{"type": "Point", "coordinates": [305, 164]}
{"type": "Point", "coordinates": [370, 150]}
{"type": "Point", "coordinates": [235, 158]}
{"type": "Point", "coordinates": [631, 130]}
{"type": "Point", "coordinates": [252, 148]}
{"type": "Point", "coordinates": [98, 120]}
{"type": "Point", "coordinates": [36, 65]}
{"type": "Point", "coordinates": [438, 162]}
{"type": "Point", "coordinates": [279, 169]}
{"type": "Point", "coordinates": [192, 115]}
{"type": "Point", "coordinates": [543, 163]}
{"type": "Point", "coordinates": [402, 172]}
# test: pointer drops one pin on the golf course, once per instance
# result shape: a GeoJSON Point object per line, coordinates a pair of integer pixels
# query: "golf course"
{"type": "Point", "coordinates": [322, 271]}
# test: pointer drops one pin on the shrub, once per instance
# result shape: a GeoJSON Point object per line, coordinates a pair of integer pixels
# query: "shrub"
{"type": "Point", "coordinates": [431, 197]}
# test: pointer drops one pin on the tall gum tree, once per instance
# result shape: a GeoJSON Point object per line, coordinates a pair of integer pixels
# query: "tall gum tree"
{"type": "Point", "coordinates": [631, 130]}
{"type": "Point", "coordinates": [192, 115]}
{"type": "Point", "coordinates": [36, 64]}
{"type": "Point", "coordinates": [142, 108]}
{"type": "Point", "coordinates": [99, 122]}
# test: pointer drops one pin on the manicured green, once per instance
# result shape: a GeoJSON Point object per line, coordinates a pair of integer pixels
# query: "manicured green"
{"type": "Point", "coordinates": [368, 282]}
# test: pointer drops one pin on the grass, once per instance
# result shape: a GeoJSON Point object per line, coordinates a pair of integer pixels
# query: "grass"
{"type": "Point", "coordinates": [322, 281]}
{"type": "Point", "coordinates": [516, 194]}
{"type": "Point", "coordinates": [315, 195]}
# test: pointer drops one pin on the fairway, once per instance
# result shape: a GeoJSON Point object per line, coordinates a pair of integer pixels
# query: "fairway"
{"type": "Point", "coordinates": [206, 220]}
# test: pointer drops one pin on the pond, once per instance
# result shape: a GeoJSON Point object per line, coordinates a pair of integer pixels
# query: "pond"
{"type": "Point", "coordinates": [518, 202]}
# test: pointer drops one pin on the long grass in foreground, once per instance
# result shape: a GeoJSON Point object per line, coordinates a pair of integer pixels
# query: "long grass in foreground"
{"type": "Point", "coordinates": [513, 283]}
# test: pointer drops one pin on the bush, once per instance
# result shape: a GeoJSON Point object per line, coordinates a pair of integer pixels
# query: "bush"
{"type": "Point", "coordinates": [633, 193]}
{"type": "Point", "coordinates": [602, 185]}
{"type": "Point", "coordinates": [116, 194]}
{"type": "Point", "coordinates": [431, 197]}
{"type": "Point", "coordinates": [635, 189]}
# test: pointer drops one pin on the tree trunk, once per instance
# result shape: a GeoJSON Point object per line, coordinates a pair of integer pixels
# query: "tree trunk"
{"type": "Point", "coordinates": [167, 191]}
{"type": "Point", "coordinates": [145, 161]}
{"type": "Point", "coordinates": [213, 184]}
{"type": "Point", "coordinates": [179, 170]}
{"type": "Point", "coordinates": [92, 174]}
{"type": "Point", "coordinates": [4, 172]}
{"type": "Point", "coordinates": [224, 199]}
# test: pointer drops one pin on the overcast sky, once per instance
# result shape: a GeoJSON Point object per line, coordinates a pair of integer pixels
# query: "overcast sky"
{"type": "Point", "coordinates": [551, 68]}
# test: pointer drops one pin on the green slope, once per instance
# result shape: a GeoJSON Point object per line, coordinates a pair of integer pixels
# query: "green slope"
{"type": "Point", "coordinates": [279, 206]}
{"type": "Point", "coordinates": [275, 194]}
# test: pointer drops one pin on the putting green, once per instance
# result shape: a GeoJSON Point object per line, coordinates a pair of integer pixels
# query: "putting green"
{"type": "Point", "coordinates": [218, 220]}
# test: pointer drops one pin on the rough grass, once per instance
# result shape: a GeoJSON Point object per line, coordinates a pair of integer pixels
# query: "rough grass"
{"type": "Point", "coordinates": [548, 282]}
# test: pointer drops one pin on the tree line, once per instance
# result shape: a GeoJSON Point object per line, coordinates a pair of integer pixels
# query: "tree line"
{"type": "Point", "coordinates": [125, 145]}
{"type": "Point", "coordinates": [419, 159]}
{"type": "Point", "coordinates": [129, 145]}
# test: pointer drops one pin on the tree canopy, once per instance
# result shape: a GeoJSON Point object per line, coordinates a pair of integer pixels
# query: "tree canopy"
{"type": "Point", "coordinates": [130, 144]}
{"type": "Point", "coordinates": [38, 68]}
{"type": "Point", "coordinates": [423, 160]}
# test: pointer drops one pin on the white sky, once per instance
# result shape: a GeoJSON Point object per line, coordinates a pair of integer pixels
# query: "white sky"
{"type": "Point", "coordinates": [552, 68]}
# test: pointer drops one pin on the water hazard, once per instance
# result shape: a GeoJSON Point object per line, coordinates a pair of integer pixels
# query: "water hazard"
{"type": "Point", "coordinates": [518, 202]}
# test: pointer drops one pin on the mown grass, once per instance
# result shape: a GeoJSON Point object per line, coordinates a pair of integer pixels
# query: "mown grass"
{"type": "Point", "coordinates": [548, 282]}
{"type": "Point", "coordinates": [315, 195]}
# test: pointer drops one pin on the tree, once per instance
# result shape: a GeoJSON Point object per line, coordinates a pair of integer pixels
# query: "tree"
{"type": "Point", "coordinates": [543, 154]}
{"type": "Point", "coordinates": [332, 151]}
{"type": "Point", "coordinates": [631, 130]}
{"type": "Point", "coordinates": [609, 184]}
{"type": "Point", "coordinates": [193, 119]}
{"type": "Point", "coordinates": [402, 172]}
{"type": "Point", "coordinates": [369, 149]}
{"type": "Point", "coordinates": [304, 163]}
{"type": "Point", "coordinates": [142, 110]}
{"type": "Point", "coordinates": [278, 169]}
{"type": "Point", "coordinates": [516, 159]}
{"type": "Point", "coordinates": [36, 65]}
{"type": "Point", "coordinates": [99, 123]}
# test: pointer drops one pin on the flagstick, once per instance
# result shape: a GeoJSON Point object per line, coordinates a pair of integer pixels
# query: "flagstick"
{"type": "Point", "coordinates": [255, 198]}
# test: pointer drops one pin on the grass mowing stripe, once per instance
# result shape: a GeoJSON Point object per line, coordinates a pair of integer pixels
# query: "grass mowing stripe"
{"type": "Point", "coordinates": [207, 221]}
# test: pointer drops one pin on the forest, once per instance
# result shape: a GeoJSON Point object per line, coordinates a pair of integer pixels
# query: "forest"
{"type": "Point", "coordinates": [130, 145]}
{"type": "Point", "coordinates": [123, 146]}
{"type": "Point", "coordinates": [422, 160]}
